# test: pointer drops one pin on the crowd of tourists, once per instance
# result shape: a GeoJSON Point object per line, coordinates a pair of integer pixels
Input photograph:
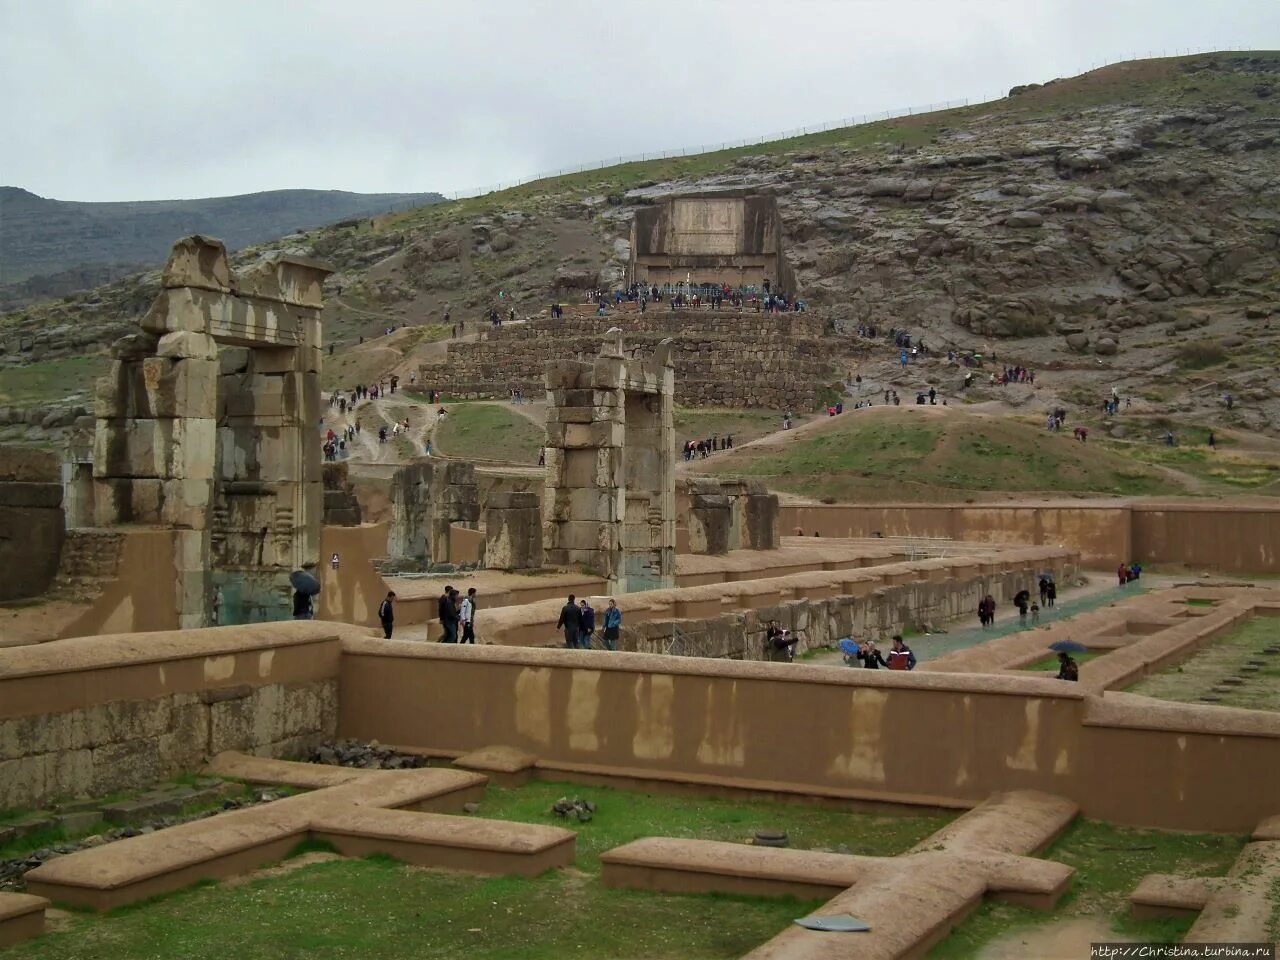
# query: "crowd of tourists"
{"type": "Point", "coordinates": [703, 448]}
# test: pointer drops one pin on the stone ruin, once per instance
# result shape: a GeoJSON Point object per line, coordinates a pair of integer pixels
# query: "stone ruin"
{"type": "Point", "coordinates": [205, 425]}
{"type": "Point", "coordinates": [732, 238]}
{"type": "Point", "coordinates": [724, 515]}
{"type": "Point", "coordinates": [610, 467]}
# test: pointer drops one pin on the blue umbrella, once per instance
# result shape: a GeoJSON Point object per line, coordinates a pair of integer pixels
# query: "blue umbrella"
{"type": "Point", "coordinates": [1067, 646]}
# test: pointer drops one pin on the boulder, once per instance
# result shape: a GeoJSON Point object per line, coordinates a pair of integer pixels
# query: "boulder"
{"type": "Point", "coordinates": [887, 187]}
{"type": "Point", "coordinates": [501, 241]}
{"type": "Point", "coordinates": [1115, 200]}
{"type": "Point", "coordinates": [1155, 291]}
{"type": "Point", "coordinates": [919, 190]}
{"type": "Point", "coordinates": [1023, 218]}
{"type": "Point", "coordinates": [1077, 341]}
{"type": "Point", "coordinates": [1106, 346]}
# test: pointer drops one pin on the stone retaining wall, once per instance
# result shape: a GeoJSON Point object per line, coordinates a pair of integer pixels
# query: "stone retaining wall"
{"type": "Point", "coordinates": [96, 715]}
{"type": "Point", "coordinates": [716, 370]}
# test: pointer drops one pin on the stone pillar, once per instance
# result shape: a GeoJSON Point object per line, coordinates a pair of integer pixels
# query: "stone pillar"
{"type": "Point", "coordinates": [409, 533]}
{"type": "Point", "coordinates": [513, 531]}
{"type": "Point", "coordinates": [610, 478]}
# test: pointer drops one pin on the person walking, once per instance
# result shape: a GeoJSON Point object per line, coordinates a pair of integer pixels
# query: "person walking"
{"type": "Point", "coordinates": [570, 621]}
{"type": "Point", "coordinates": [468, 617]}
{"type": "Point", "coordinates": [448, 614]}
{"type": "Point", "coordinates": [387, 614]}
{"type": "Point", "coordinates": [901, 657]}
{"type": "Point", "coordinates": [871, 657]}
{"type": "Point", "coordinates": [586, 624]}
{"type": "Point", "coordinates": [612, 625]}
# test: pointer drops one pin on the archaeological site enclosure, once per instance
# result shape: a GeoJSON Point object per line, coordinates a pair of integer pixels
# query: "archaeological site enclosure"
{"type": "Point", "coordinates": [709, 711]}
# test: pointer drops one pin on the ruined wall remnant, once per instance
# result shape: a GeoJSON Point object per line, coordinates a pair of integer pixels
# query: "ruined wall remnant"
{"type": "Point", "coordinates": [219, 445]}
{"type": "Point", "coordinates": [724, 515]}
{"type": "Point", "coordinates": [610, 479]}
{"type": "Point", "coordinates": [725, 238]}
{"type": "Point", "coordinates": [341, 508]}
{"type": "Point", "coordinates": [32, 526]}
{"type": "Point", "coordinates": [455, 501]}
{"type": "Point", "coordinates": [513, 531]}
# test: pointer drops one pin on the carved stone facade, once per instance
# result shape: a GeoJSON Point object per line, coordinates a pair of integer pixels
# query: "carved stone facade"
{"type": "Point", "coordinates": [219, 445]}
{"type": "Point", "coordinates": [726, 238]}
{"type": "Point", "coordinates": [610, 479]}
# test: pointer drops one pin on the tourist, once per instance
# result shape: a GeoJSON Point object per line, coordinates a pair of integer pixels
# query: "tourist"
{"type": "Point", "coordinates": [987, 611]}
{"type": "Point", "coordinates": [447, 611]}
{"type": "Point", "coordinates": [382, 434]}
{"type": "Point", "coordinates": [1213, 443]}
{"type": "Point", "coordinates": [612, 625]}
{"type": "Point", "coordinates": [1020, 600]}
{"type": "Point", "coordinates": [1044, 589]}
{"type": "Point", "coordinates": [302, 606]}
{"type": "Point", "coordinates": [901, 657]}
{"type": "Point", "coordinates": [1122, 574]}
{"type": "Point", "coordinates": [586, 624]}
{"type": "Point", "coordinates": [1068, 669]}
{"type": "Point", "coordinates": [468, 617]}
{"type": "Point", "coordinates": [1052, 596]}
{"type": "Point", "coordinates": [570, 619]}
{"type": "Point", "coordinates": [387, 613]}
{"type": "Point", "coordinates": [1035, 614]}
{"type": "Point", "coordinates": [542, 456]}
{"type": "Point", "coordinates": [871, 657]}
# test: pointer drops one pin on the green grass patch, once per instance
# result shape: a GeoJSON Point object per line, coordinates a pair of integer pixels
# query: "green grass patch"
{"type": "Point", "coordinates": [1109, 862]}
{"type": "Point", "coordinates": [909, 456]}
{"type": "Point", "coordinates": [378, 909]}
{"type": "Point", "coordinates": [488, 432]}
{"type": "Point", "coordinates": [40, 383]}
{"type": "Point", "coordinates": [698, 423]}
{"type": "Point", "coordinates": [1188, 681]}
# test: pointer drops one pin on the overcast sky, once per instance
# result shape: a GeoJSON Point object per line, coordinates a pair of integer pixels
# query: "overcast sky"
{"type": "Point", "coordinates": [156, 99]}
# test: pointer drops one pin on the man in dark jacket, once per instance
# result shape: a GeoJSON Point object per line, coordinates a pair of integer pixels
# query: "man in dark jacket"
{"type": "Point", "coordinates": [571, 621]}
{"type": "Point", "coordinates": [387, 613]}
{"type": "Point", "coordinates": [448, 613]}
{"type": "Point", "coordinates": [586, 624]}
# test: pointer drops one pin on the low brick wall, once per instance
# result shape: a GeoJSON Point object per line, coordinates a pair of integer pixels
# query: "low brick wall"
{"type": "Point", "coordinates": [95, 715]}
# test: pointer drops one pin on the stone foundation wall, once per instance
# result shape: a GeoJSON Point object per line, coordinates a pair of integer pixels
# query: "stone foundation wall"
{"type": "Point", "coordinates": [97, 715]}
{"type": "Point", "coordinates": [32, 524]}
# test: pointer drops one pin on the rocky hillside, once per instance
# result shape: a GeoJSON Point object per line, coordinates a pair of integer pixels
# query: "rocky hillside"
{"type": "Point", "coordinates": [51, 247]}
{"type": "Point", "coordinates": [1119, 228]}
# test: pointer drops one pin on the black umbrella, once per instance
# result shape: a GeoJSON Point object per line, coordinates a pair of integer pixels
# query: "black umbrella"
{"type": "Point", "coordinates": [1067, 646]}
{"type": "Point", "coordinates": [304, 582]}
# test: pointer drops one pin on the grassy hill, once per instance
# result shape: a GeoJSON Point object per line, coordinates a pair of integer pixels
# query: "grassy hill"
{"type": "Point", "coordinates": [910, 454]}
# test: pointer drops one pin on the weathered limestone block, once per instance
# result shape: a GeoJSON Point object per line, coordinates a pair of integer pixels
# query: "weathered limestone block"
{"type": "Point", "coordinates": [181, 448]}
{"type": "Point", "coordinates": [710, 519]}
{"type": "Point", "coordinates": [760, 521]}
{"type": "Point", "coordinates": [198, 261]}
{"type": "Point", "coordinates": [513, 531]}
